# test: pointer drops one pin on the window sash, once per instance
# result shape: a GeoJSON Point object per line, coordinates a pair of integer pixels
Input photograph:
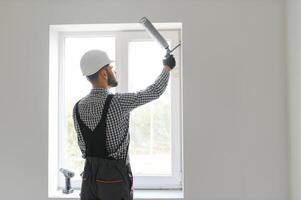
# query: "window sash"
{"type": "Point", "coordinates": [122, 41]}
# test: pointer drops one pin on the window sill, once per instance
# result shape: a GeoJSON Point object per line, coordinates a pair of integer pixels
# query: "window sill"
{"type": "Point", "coordinates": [138, 194]}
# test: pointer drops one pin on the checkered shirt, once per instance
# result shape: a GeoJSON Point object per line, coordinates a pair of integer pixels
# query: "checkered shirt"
{"type": "Point", "coordinates": [118, 136]}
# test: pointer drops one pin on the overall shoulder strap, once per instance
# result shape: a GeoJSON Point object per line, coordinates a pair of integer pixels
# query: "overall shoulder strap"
{"type": "Point", "coordinates": [106, 107]}
{"type": "Point", "coordinates": [81, 124]}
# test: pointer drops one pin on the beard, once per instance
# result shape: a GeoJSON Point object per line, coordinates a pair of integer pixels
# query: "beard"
{"type": "Point", "coordinates": [111, 81]}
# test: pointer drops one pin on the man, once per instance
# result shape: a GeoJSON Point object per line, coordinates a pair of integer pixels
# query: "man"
{"type": "Point", "coordinates": [101, 120]}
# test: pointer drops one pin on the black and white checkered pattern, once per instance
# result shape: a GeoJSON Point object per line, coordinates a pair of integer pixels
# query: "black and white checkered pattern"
{"type": "Point", "coordinates": [91, 106]}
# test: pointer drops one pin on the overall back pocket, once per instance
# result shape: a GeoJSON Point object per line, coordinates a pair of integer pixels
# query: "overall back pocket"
{"type": "Point", "coordinates": [109, 174]}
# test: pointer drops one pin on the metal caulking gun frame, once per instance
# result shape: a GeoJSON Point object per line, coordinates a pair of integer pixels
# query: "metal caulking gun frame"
{"type": "Point", "coordinates": [156, 35]}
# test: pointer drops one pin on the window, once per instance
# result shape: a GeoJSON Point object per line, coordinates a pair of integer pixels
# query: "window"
{"type": "Point", "coordinates": [155, 128]}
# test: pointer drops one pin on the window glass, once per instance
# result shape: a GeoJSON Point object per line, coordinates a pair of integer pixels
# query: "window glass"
{"type": "Point", "coordinates": [76, 87]}
{"type": "Point", "coordinates": [150, 147]}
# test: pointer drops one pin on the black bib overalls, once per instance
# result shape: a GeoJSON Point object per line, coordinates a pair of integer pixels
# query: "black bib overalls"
{"type": "Point", "coordinates": [103, 178]}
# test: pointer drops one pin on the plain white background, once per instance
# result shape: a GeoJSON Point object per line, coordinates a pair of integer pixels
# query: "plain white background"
{"type": "Point", "coordinates": [236, 139]}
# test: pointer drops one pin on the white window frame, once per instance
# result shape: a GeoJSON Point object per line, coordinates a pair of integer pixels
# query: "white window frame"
{"type": "Point", "coordinates": [56, 97]}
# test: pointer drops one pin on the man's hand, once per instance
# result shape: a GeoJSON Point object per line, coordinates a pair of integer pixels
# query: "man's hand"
{"type": "Point", "coordinates": [169, 61]}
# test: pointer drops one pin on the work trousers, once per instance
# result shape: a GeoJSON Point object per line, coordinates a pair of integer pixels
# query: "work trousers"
{"type": "Point", "coordinates": [105, 179]}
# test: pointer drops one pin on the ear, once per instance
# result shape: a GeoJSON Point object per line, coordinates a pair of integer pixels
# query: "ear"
{"type": "Point", "coordinates": [103, 74]}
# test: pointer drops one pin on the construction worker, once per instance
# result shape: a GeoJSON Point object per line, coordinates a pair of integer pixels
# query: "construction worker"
{"type": "Point", "coordinates": [101, 121]}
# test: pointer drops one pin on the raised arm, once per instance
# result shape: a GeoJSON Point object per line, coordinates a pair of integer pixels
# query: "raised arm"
{"type": "Point", "coordinates": [130, 100]}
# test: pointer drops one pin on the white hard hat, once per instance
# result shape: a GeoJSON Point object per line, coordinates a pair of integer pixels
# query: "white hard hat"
{"type": "Point", "coordinates": [93, 60]}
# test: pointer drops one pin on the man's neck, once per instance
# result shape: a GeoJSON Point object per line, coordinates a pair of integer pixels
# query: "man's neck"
{"type": "Point", "coordinates": [101, 86]}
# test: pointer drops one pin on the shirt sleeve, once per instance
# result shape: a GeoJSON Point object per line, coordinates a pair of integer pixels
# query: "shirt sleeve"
{"type": "Point", "coordinates": [130, 100]}
{"type": "Point", "coordinates": [80, 139]}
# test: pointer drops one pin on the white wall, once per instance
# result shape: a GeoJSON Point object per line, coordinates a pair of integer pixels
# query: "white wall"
{"type": "Point", "coordinates": [234, 73]}
{"type": "Point", "coordinates": [294, 89]}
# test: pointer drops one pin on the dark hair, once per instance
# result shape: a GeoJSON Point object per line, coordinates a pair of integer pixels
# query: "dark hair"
{"type": "Point", "coordinates": [94, 77]}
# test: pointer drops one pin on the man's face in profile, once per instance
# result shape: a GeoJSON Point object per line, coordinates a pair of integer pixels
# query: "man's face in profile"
{"type": "Point", "coordinates": [112, 80]}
